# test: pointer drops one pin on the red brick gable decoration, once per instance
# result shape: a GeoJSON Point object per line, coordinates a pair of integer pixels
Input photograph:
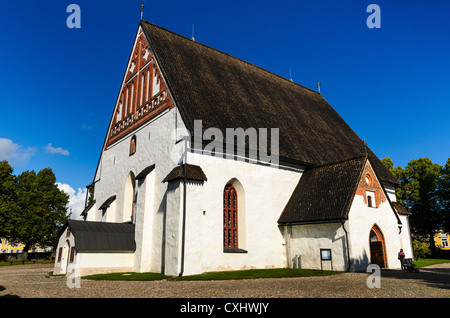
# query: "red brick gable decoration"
{"type": "Point", "coordinates": [143, 94]}
{"type": "Point", "coordinates": [370, 182]}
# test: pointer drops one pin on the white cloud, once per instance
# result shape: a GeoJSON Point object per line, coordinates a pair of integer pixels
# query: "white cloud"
{"type": "Point", "coordinates": [53, 150]}
{"type": "Point", "coordinates": [14, 152]}
{"type": "Point", "coordinates": [77, 200]}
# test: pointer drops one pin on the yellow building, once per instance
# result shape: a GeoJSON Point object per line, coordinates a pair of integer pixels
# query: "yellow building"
{"type": "Point", "coordinates": [441, 240]}
{"type": "Point", "coordinates": [8, 248]}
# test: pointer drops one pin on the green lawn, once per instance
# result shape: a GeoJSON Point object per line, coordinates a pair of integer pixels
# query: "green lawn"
{"type": "Point", "coordinates": [127, 276]}
{"type": "Point", "coordinates": [243, 274]}
{"type": "Point", "coordinates": [26, 262]}
{"type": "Point", "coordinates": [430, 261]}
{"type": "Point", "coordinates": [258, 273]}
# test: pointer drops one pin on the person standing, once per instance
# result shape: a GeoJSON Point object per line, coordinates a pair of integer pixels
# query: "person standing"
{"type": "Point", "coordinates": [401, 257]}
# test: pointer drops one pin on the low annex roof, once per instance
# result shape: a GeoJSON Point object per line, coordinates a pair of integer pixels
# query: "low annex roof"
{"type": "Point", "coordinates": [102, 236]}
{"type": "Point", "coordinates": [324, 193]}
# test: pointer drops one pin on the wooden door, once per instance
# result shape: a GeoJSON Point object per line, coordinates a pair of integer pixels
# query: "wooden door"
{"type": "Point", "coordinates": [376, 253]}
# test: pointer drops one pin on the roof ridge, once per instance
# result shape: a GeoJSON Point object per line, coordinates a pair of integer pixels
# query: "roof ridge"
{"type": "Point", "coordinates": [232, 56]}
{"type": "Point", "coordinates": [339, 161]}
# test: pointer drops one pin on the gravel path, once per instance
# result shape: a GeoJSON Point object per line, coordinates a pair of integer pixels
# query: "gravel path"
{"type": "Point", "coordinates": [32, 281]}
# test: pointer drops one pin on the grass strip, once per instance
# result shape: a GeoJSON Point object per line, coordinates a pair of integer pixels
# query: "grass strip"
{"type": "Point", "coordinates": [257, 273]}
{"type": "Point", "coordinates": [226, 275]}
{"type": "Point", "coordinates": [127, 276]}
{"type": "Point", "coordinates": [422, 262]}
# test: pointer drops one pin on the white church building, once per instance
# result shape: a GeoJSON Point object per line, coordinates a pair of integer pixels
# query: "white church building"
{"type": "Point", "coordinates": [211, 163]}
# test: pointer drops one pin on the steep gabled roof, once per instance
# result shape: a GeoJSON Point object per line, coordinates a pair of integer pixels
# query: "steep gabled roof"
{"type": "Point", "coordinates": [324, 193]}
{"type": "Point", "coordinates": [226, 92]}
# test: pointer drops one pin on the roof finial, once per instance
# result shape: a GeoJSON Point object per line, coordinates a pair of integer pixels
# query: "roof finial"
{"type": "Point", "coordinates": [193, 39]}
{"type": "Point", "coordinates": [142, 9]}
{"type": "Point", "coordinates": [318, 86]}
{"type": "Point", "coordinates": [290, 75]}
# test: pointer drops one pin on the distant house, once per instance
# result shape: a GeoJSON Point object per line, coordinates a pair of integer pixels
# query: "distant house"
{"type": "Point", "coordinates": [7, 247]}
{"type": "Point", "coordinates": [441, 240]}
{"type": "Point", "coordinates": [164, 203]}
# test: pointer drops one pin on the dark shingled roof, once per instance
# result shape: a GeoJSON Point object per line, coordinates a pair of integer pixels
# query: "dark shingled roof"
{"type": "Point", "coordinates": [193, 172]}
{"type": "Point", "coordinates": [145, 172]}
{"type": "Point", "coordinates": [400, 208]}
{"type": "Point", "coordinates": [107, 203]}
{"type": "Point", "coordinates": [226, 92]}
{"type": "Point", "coordinates": [324, 193]}
{"type": "Point", "coordinates": [102, 236]}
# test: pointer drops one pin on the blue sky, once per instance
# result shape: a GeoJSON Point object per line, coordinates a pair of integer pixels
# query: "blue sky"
{"type": "Point", "coordinates": [59, 85]}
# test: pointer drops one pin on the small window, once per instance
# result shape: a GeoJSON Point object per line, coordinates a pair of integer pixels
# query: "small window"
{"type": "Point", "coordinates": [59, 254]}
{"type": "Point", "coordinates": [133, 145]}
{"type": "Point", "coordinates": [72, 254]}
{"type": "Point", "coordinates": [368, 180]}
{"type": "Point", "coordinates": [444, 241]}
{"type": "Point", "coordinates": [370, 199]}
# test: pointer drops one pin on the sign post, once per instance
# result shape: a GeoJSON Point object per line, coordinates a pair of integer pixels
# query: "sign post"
{"type": "Point", "coordinates": [325, 255]}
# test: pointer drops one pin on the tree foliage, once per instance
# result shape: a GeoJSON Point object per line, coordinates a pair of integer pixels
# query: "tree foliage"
{"type": "Point", "coordinates": [32, 207]}
{"type": "Point", "coordinates": [425, 191]}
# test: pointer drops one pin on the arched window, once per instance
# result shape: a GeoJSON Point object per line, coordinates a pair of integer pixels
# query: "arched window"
{"type": "Point", "coordinates": [132, 145]}
{"type": "Point", "coordinates": [230, 217]}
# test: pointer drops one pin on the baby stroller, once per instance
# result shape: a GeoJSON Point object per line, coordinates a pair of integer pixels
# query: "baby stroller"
{"type": "Point", "coordinates": [409, 266]}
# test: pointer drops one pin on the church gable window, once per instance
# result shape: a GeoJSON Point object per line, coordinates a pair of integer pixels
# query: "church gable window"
{"type": "Point", "coordinates": [370, 197]}
{"type": "Point", "coordinates": [370, 188]}
{"type": "Point", "coordinates": [230, 217]}
{"type": "Point", "coordinates": [133, 145]}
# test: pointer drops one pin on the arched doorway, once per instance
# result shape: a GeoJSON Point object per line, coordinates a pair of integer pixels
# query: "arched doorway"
{"type": "Point", "coordinates": [65, 257]}
{"type": "Point", "coordinates": [377, 247]}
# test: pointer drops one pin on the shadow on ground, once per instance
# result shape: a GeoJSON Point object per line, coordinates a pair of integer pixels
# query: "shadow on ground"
{"type": "Point", "coordinates": [436, 277]}
{"type": "Point", "coordinates": [8, 295]}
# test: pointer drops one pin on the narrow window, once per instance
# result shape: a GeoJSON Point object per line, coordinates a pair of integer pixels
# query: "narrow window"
{"type": "Point", "coordinates": [369, 201]}
{"type": "Point", "coordinates": [132, 145]}
{"type": "Point", "coordinates": [72, 254]}
{"type": "Point", "coordinates": [370, 198]}
{"type": "Point", "coordinates": [60, 254]}
{"type": "Point", "coordinates": [444, 241]}
{"type": "Point", "coordinates": [230, 217]}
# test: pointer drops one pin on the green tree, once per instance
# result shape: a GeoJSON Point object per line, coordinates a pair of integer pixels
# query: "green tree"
{"type": "Point", "coordinates": [421, 249]}
{"type": "Point", "coordinates": [444, 195]}
{"type": "Point", "coordinates": [420, 192]}
{"type": "Point", "coordinates": [8, 199]}
{"type": "Point", "coordinates": [39, 209]}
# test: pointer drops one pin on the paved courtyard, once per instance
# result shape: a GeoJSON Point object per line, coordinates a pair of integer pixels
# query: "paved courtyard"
{"type": "Point", "coordinates": [33, 281]}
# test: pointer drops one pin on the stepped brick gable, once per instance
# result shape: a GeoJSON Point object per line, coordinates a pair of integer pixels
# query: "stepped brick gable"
{"type": "Point", "coordinates": [143, 94]}
{"type": "Point", "coordinates": [369, 182]}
